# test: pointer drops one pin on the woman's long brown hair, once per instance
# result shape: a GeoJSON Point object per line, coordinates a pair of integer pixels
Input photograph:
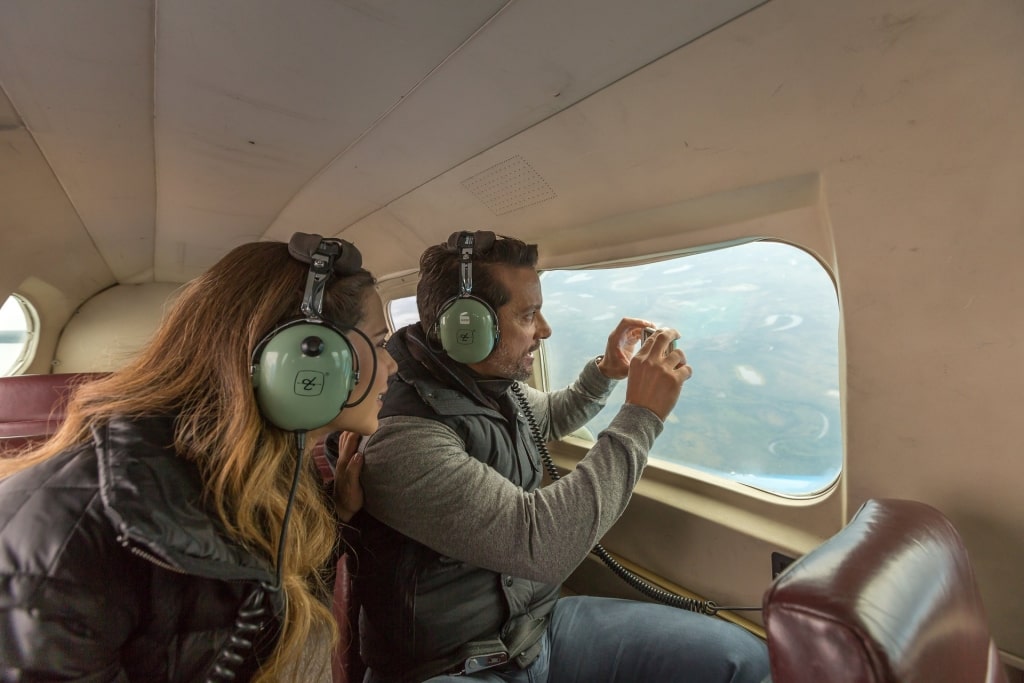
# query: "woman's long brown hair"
{"type": "Point", "coordinates": [197, 366]}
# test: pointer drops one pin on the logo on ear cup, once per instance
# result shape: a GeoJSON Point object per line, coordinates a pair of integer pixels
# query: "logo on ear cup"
{"type": "Point", "coordinates": [465, 336]}
{"type": "Point", "coordinates": [309, 383]}
{"type": "Point", "coordinates": [302, 385]}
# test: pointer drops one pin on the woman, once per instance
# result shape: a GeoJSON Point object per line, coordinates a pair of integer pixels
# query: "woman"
{"type": "Point", "coordinates": [166, 532]}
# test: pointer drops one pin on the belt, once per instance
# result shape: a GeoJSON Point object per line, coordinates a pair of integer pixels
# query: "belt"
{"type": "Point", "coordinates": [481, 662]}
{"type": "Point", "coordinates": [480, 655]}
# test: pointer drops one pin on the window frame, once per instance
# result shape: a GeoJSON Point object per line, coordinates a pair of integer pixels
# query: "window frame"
{"type": "Point", "coordinates": [674, 473]}
{"type": "Point", "coordinates": [31, 344]}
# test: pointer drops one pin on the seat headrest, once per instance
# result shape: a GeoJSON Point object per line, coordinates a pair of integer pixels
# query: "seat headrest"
{"type": "Point", "coordinates": [891, 597]}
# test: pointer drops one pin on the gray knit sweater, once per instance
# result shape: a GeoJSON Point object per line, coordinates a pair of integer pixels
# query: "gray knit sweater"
{"type": "Point", "coordinates": [419, 480]}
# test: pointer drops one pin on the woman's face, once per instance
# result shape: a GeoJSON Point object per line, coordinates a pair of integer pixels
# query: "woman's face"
{"type": "Point", "coordinates": [362, 418]}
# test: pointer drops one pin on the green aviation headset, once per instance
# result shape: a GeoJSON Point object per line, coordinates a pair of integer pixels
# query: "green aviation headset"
{"type": "Point", "coordinates": [304, 370]}
{"type": "Point", "coordinates": [467, 326]}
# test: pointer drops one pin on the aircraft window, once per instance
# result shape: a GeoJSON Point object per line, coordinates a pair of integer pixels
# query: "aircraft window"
{"type": "Point", "coordinates": [760, 327]}
{"type": "Point", "coordinates": [17, 335]}
{"type": "Point", "coordinates": [403, 312]}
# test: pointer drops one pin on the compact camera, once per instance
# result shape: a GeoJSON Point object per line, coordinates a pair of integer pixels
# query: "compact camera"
{"type": "Point", "coordinates": [646, 334]}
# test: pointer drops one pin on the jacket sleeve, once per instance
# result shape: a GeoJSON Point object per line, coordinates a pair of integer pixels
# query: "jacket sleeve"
{"type": "Point", "coordinates": [562, 412]}
{"type": "Point", "coordinates": [68, 600]}
{"type": "Point", "coordinates": [420, 481]}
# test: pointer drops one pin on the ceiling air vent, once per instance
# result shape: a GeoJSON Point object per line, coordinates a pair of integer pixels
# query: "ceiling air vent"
{"type": "Point", "coordinates": [509, 185]}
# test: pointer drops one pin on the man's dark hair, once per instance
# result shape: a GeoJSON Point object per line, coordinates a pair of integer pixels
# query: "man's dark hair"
{"type": "Point", "coordinates": [440, 281]}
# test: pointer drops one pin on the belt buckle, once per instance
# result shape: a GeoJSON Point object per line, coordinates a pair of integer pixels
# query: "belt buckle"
{"type": "Point", "coordinates": [487, 660]}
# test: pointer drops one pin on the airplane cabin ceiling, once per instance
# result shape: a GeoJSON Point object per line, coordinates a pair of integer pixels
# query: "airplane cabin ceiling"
{"type": "Point", "coordinates": [180, 129]}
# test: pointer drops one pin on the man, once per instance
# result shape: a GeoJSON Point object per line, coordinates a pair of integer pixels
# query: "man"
{"type": "Point", "coordinates": [463, 551]}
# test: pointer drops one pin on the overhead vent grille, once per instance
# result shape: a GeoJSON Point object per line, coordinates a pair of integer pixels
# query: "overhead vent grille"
{"type": "Point", "coordinates": [509, 185]}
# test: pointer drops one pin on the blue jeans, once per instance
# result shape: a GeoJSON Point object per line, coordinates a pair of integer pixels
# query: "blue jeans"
{"type": "Point", "coordinates": [605, 640]}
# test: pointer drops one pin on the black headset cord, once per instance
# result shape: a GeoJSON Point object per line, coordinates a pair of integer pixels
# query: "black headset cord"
{"type": "Point", "coordinates": [646, 588]}
{"type": "Point", "coordinates": [253, 612]}
{"type": "Point", "coordinates": [373, 371]}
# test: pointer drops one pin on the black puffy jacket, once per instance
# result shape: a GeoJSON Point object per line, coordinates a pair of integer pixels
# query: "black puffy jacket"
{"type": "Point", "coordinates": [111, 569]}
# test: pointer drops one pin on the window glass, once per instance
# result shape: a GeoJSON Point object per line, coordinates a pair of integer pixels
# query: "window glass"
{"type": "Point", "coordinates": [16, 335]}
{"type": "Point", "coordinates": [760, 327]}
{"type": "Point", "coordinates": [402, 312]}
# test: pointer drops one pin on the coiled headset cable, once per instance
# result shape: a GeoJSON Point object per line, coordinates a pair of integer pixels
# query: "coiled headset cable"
{"type": "Point", "coordinates": [251, 617]}
{"type": "Point", "coordinates": [709, 607]}
{"type": "Point", "coordinates": [255, 610]}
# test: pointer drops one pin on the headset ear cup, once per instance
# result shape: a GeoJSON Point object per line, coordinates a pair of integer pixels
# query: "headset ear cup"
{"type": "Point", "coordinates": [303, 374]}
{"type": "Point", "coordinates": [468, 329]}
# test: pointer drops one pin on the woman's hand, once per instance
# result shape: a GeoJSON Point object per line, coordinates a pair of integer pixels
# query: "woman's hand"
{"type": "Point", "coordinates": [348, 492]}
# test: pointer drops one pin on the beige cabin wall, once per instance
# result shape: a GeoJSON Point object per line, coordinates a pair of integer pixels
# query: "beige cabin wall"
{"type": "Point", "coordinates": [109, 328]}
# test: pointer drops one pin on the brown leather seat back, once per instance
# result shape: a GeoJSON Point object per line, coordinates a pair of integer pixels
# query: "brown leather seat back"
{"type": "Point", "coordinates": [32, 407]}
{"type": "Point", "coordinates": [890, 598]}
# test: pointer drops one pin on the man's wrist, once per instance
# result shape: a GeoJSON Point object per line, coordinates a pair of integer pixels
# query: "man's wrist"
{"type": "Point", "coordinates": [599, 362]}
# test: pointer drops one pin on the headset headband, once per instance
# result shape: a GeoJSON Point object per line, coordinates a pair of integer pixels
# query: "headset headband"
{"type": "Point", "coordinates": [468, 244]}
{"type": "Point", "coordinates": [324, 256]}
{"type": "Point", "coordinates": [466, 264]}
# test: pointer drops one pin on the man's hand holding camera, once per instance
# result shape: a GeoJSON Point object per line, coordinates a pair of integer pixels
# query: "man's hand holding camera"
{"type": "Point", "coordinates": [614, 364]}
{"type": "Point", "coordinates": [657, 371]}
